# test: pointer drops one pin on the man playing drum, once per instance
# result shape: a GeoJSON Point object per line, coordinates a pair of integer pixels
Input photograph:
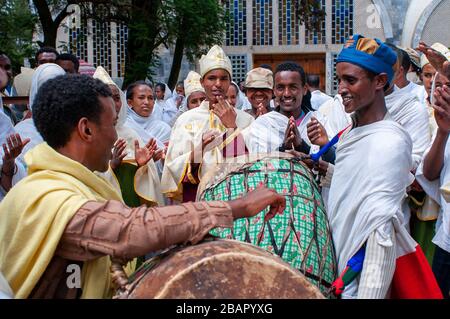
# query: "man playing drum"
{"type": "Point", "coordinates": [62, 216]}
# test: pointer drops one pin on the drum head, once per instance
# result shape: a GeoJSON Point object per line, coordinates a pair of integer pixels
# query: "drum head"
{"type": "Point", "coordinates": [221, 269]}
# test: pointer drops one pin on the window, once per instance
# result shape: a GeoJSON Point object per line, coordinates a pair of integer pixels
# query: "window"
{"type": "Point", "coordinates": [262, 22]}
{"type": "Point", "coordinates": [288, 26]}
{"type": "Point", "coordinates": [342, 20]}
{"type": "Point", "coordinates": [237, 25]}
{"type": "Point", "coordinates": [239, 63]}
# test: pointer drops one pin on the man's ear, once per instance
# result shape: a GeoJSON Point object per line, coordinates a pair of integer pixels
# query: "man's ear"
{"type": "Point", "coordinates": [381, 80]}
{"type": "Point", "coordinates": [85, 129]}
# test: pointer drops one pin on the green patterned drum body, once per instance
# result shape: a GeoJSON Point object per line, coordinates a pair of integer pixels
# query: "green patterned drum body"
{"type": "Point", "coordinates": [300, 235]}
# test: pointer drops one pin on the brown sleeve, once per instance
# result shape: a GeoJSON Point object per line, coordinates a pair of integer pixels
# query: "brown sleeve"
{"type": "Point", "coordinates": [111, 228]}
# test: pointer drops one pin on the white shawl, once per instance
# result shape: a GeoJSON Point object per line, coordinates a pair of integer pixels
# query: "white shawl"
{"type": "Point", "coordinates": [432, 188]}
{"type": "Point", "coordinates": [406, 110]}
{"type": "Point", "coordinates": [266, 133]}
{"type": "Point", "coordinates": [372, 171]}
{"type": "Point", "coordinates": [148, 127]}
{"type": "Point", "coordinates": [166, 109]}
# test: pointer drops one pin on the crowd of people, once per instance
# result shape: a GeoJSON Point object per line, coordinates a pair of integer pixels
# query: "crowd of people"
{"type": "Point", "coordinates": [93, 173]}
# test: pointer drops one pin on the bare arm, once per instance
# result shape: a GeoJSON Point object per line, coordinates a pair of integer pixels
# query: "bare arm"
{"type": "Point", "coordinates": [434, 161]}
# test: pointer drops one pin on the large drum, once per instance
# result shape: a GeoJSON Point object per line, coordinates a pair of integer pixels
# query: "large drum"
{"type": "Point", "coordinates": [301, 235]}
{"type": "Point", "coordinates": [218, 269]}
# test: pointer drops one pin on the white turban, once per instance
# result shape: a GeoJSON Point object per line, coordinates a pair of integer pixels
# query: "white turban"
{"type": "Point", "coordinates": [41, 75]}
{"type": "Point", "coordinates": [101, 74]}
{"type": "Point", "coordinates": [192, 84]}
{"type": "Point", "coordinates": [215, 59]}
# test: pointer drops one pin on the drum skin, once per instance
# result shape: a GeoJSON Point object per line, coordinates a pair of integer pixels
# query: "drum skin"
{"type": "Point", "coordinates": [225, 269]}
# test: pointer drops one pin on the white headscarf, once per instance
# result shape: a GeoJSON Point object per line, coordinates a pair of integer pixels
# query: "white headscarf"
{"type": "Point", "coordinates": [26, 128]}
{"type": "Point", "coordinates": [239, 96]}
{"type": "Point", "coordinates": [122, 131]}
{"type": "Point", "coordinates": [43, 73]}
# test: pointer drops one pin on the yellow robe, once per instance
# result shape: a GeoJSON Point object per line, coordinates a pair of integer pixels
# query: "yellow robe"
{"type": "Point", "coordinates": [34, 214]}
{"type": "Point", "coordinates": [186, 134]}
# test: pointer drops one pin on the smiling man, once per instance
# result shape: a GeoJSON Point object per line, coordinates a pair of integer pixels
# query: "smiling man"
{"type": "Point", "coordinates": [285, 128]}
{"type": "Point", "coordinates": [373, 163]}
{"type": "Point", "coordinates": [259, 91]}
{"type": "Point", "coordinates": [188, 157]}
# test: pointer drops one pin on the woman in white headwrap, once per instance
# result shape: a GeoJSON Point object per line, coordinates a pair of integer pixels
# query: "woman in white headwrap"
{"type": "Point", "coordinates": [140, 116]}
{"type": "Point", "coordinates": [26, 128]}
{"type": "Point", "coordinates": [132, 169]}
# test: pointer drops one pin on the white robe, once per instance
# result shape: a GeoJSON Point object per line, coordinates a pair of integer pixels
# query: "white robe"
{"type": "Point", "coordinates": [372, 171]}
{"type": "Point", "coordinates": [432, 188]}
{"type": "Point", "coordinates": [318, 98]}
{"type": "Point", "coordinates": [415, 89]}
{"type": "Point", "coordinates": [266, 133]}
{"type": "Point", "coordinates": [166, 109]}
{"type": "Point", "coordinates": [6, 129]}
{"type": "Point", "coordinates": [186, 134]}
{"type": "Point", "coordinates": [412, 116]}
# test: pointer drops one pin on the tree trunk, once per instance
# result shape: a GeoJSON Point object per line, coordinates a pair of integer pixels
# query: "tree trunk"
{"type": "Point", "coordinates": [50, 32]}
{"type": "Point", "coordinates": [49, 26]}
{"type": "Point", "coordinates": [142, 38]}
{"type": "Point", "coordinates": [176, 63]}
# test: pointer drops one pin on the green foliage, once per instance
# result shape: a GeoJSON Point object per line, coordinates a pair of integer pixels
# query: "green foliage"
{"type": "Point", "coordinates": [310, 13]}
{"type": "Point", "coordinates": [17, 24]}
{"type": "Point", "coordinates": [200, 24]}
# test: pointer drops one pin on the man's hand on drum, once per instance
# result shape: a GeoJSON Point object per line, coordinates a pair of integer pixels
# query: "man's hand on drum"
{"type": "Point", "coordinates": [256, 201]}
{"type": "Point", "coordinates": [317, 133]}
{"type": "Point", "coordinates": [292, 137]}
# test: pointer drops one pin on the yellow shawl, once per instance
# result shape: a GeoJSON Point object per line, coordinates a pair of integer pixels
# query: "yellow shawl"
{"type": "Point", "coordinates": [34, 214]}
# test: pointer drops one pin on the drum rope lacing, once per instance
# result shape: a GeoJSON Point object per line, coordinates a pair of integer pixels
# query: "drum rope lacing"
{"type": "Point", "coordinates": [246, 171]}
